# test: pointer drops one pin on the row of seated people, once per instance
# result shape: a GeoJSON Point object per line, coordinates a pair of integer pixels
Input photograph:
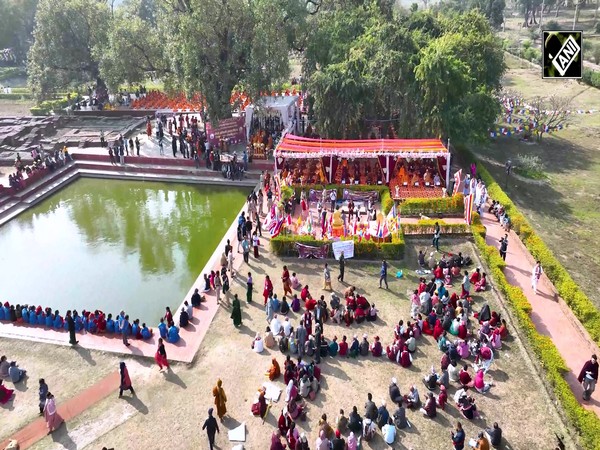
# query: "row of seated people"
{"type": "Point", "coordinates": [89, 321]}
{"type": "Point", "coordinates": [304, 171]}
{"type": "Point", "coordinates": [418, 174]}
{"type": "Point", "coordinates": [359, 172]}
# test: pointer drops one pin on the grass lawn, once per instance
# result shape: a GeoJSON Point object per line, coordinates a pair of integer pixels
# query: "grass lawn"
{"type": "Point", "coordinates": [175, 404]}
{"type": "Point", "coordinates": [564, 207]}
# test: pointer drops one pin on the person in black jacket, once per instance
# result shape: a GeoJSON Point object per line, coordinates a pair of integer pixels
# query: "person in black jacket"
{"type": "Point", "coordinates": [71, 327]}
{"type": "Point", "coordinates": [212, 427]}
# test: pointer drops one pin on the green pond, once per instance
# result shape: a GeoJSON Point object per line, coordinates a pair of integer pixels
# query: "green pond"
{"type": "Point", "coordinates": [112, 245]}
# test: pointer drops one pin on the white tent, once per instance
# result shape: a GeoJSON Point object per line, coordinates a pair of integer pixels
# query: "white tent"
{"type": "Point", "coordinates": [286, 105]}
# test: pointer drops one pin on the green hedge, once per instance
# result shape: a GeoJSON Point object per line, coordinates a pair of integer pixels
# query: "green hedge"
{"type": "Point", "coordinates": [585, 422]}
{"type": "Point", "coordinates": [16, 96]}
{"type": "Point", "coordinates": [384, 193]}
{"type": "Point", "coordinates": [579, 303]}
{"type": "Point", "coordinates": [39, 111]}
{"type": "Point", "coordinates": [428, 226]}
{"type": "Point", "coordinates": [591, 78]}
{"type": "Point", "coordinates": [284, 245]}
{"type": "Point", "coordinates": [433, 206]}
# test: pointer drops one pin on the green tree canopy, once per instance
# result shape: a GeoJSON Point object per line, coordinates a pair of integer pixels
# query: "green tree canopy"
{"type": "Point", "coordinates": [16, 25]}
{"type": "Point", "coordinates": [66, 34]}
{"type": "Point", "coordinates": [428, 75]}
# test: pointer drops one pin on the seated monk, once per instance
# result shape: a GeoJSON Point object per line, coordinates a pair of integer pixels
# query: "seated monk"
{"type": "Point", "coordinates": [351, 303]}
{"type": "Point", "coordinates": [362, 303]}
{"type": "Point", "coordinates": [415, 179]}
{"type": "Point", "coordinates": [304, 294]}
{"type": "Point", "coordinates": [310, 304]}
{"type": "Point", "coordinates": [360, 315]}
{"type": "Point", "coordinates": [481, 284]}
{"type": "Point", "coordinates": [427, 178]}
{"type": "Point", "coordinates": [376, 347]}
{"type": "Point", "coordinates": [260, 407]}
{"type": "Point", "coordinates": [275, 370]}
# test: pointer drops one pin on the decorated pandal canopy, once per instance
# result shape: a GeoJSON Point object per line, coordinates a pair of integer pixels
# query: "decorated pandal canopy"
{"type": "Point", "coordinates": [411, 167]}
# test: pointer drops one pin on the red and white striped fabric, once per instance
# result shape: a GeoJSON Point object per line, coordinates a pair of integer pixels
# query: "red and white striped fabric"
{"type": "Point", "coordinates": [468, 208]}
{"type": "Point", "coordinates": [457, 178]}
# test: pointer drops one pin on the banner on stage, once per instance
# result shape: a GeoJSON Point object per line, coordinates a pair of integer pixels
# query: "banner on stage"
{"type": "Point", "coordinates": [343, 246]}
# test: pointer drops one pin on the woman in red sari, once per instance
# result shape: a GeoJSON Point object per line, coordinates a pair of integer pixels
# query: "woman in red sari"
{"type": "Point", "coordinates": [148, 128]}
{"type": "Point", "coordinates": [481, 284]}
{"type": "Point", "coordinates": [161, 355]}
{"type": "Point", "coordinates": [268, 289]}
{"type": "Point", "coordinates": [437, 329]}
{"type": "Point", "coordinates": [475, 276]}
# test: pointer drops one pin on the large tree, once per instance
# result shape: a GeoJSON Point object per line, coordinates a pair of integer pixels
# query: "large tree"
{"type": "Point", "coordinates": [426, 75]}
{"type": "Point", "coordinates": [66, 34]}
{"type": "Point", "coordinates": [16, 25]}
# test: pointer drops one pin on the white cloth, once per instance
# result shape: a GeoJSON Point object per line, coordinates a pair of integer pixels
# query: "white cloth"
{"type": "Point", "coordinates": [259, 346]}
{"type": "Point", "coordinates": [275, 326]}
{"type": "Point", "coordinates": [389, 433]}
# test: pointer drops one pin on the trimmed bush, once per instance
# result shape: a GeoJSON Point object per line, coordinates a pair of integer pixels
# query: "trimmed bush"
{"type": "Point", "coordinates": [39, 111]}
{"type": "Point", "coordinates": [433, 206]}
{"type": "Point", "coordinates": [428, 226]}
{"type": "Point", "coordinates": [392, 249]}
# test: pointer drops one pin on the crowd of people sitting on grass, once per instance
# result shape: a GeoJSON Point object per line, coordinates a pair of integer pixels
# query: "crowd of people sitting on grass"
{"type": "Point", "coordinates": [467, 353]}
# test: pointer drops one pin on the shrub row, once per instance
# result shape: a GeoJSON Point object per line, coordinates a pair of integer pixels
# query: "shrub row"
{"type": "Point", "coordinates": [585, 422]}
{"type": "Point", "coordinates": [12, 72]}
{"type": "Point", "coordinates": [384, 193]}
{"type": "Point", "coordinates": [579, 303]}
{"type": "Point", "coordinates": [16, 96]}
{"type": "Point", "coordinates": [428, 226]}
{"type": "Point", "coordinates": [433, 206]}
{"type": "Point", "coordinates": [392, 249]}
{"type": "Point", "coordinates": [591, 78]}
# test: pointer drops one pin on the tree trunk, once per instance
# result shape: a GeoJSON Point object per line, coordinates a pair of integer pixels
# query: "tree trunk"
{"type": "Point", "coordinates": [526, 22]}
{"type": "Point", "coordinates": [576, 15]}
{"type": "Point", "coordinates": [596, 11]}
{"type": "Point", "coordinates": [558, 9]}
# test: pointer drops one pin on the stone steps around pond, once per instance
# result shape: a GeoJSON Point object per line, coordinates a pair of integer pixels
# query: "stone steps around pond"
{"type": "Point", "coordinates": [12, 206]}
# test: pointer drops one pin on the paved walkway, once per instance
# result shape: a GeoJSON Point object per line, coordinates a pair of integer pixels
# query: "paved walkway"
{"type": "Point", "coordinates": [36, 430]}
{"type": "Point", "coordinates": [551, 316]}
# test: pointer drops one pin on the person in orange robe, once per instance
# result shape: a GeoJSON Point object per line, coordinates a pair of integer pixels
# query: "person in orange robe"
{"type": "Point", "coordinates": [220, 399]}
{"type": "Point", "coordinates": [275, 370]}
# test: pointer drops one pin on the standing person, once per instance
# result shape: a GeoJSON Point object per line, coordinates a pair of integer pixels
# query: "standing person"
{"type": "Point", "coordinates": [246, 250]}
{"type": "Point", "coordinates": [332, 199]}
{"type": "Point", "coordinates": [236, 312]}
{"type": "Point", "coordinates": [285, 279]}
{"type": "Point", "coordinates": [342, 262]}
{"type": "Point", "coordinates": [249, 285]}
{"type": "Point", "coordinates": [121, 154]}
{"type": "Point", "coordinates": [588, 377]}
{"type": "Point", "coordinates": [258, 226]}
{"type": "Point", "coordinates": [230, 264]}
{"type": "Point", "coordinates": [383, 274]}
{"type": "Point", "coordinates": [211, 426]}
{"type": "Point", "coordinates": [536, 274]}
{"type": "Point", "coordinates": [174, 146]}
{"type": "Point", "coordinates": [43, 392]}
{"type": "Point", "coordinates": [131, 146]}
{"type": "Point", "coordinates": [125, 330]}
{"type": "Point", "coordinates": [326, 278]}
{"type": "Point", "coordinates": [111, 155]}
{"type": "Point", "coordinates": [503, 246]}
{"type": "Point", "coordinates": [218, 286]}
{"type": "Point", "coordinates": [102, 141]}
{"type": "Point", "coordinates": [268, 289]}
{"type": "Point", "coordinates": [137, 145]}
{"type": "Point", "coordinates": [161, 355]}
{"type": "Point", "coordinates": [71, 328]}
{"type": "Point", "coordinates": [125, 380]}
{"type": "Point", "coordinates": [466, 285]}
{"type": "Point", "coordinates": [255, 243]}
{"type": "Point", "coordinates": [436, 237]}
{"type": "Point", "coordinates": [220, 399]}
{"type": "Point", "coordinates": [458, 437]}
{"type": "Point", "coordinates": [53, 419]}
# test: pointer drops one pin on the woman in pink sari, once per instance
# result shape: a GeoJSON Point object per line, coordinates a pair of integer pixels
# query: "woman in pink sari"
{"type": "Point", "coordinates": [53, 419]}
{"type": "Point", "coordinates": [5, 393]}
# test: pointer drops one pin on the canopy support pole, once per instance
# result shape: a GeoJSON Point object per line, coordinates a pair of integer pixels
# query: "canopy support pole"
{"type": "Point", "coordinates": [448, 161]}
